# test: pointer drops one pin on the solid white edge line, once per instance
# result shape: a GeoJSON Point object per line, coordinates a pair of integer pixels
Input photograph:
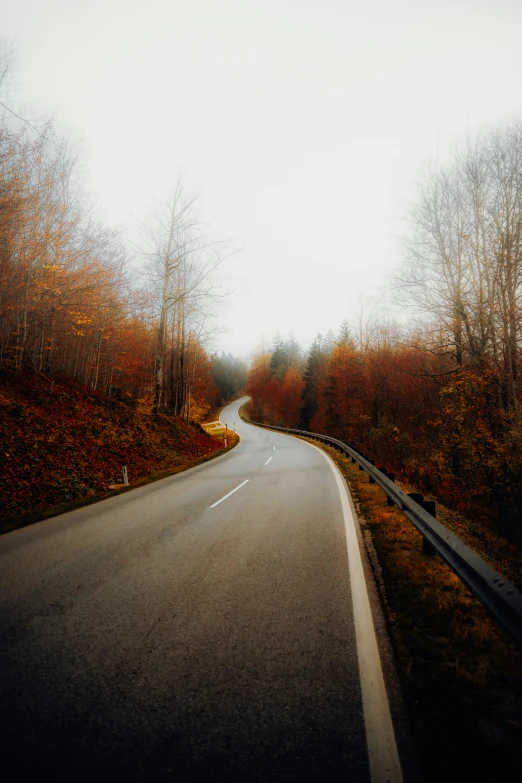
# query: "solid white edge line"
{"type": "Point", "coordinates": [268, 460]}
{"type": "Point", "coordinates": [230, 493]}
{"type": "Point", "coordinates": [385, 765]}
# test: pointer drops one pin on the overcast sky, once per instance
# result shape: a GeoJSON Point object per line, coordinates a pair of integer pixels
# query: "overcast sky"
{"type": "Point", "coordinates": [306, 124]}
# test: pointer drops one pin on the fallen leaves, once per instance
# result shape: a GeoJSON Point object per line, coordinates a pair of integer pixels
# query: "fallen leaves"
{"type": "Point", "coordinates": [70, 443]}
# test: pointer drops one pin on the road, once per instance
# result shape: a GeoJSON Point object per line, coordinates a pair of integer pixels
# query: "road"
{"type": "Point", "coordinates": [211, 626]}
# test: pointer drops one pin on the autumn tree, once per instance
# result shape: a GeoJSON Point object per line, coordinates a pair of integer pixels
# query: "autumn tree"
{"type": "Point", "coordinates": [182, 261]}
{"type": "Point", "coordinates": [65, 293]}
{"type": "Point", "coordinates": [202, 391]}
{"type": "Point", "coordinates": [290, 397]}
{"type": "Point", "coordinates": [342, 411]}
{"type": "Point", "coordinates": [71, 305]}
{"type": "Point", "coordinates": [258, 385]}
{"type": "Point", "coordinates": [464, 260]}
{"type": "Point", "coordinates": [463, 274]}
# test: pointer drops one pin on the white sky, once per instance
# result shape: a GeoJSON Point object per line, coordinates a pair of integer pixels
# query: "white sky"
{"type": "Point", "coordinates": [307, 125]}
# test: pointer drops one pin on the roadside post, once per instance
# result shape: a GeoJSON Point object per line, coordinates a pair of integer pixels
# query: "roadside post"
{"type": "Point", "coordinates": [125, 476]}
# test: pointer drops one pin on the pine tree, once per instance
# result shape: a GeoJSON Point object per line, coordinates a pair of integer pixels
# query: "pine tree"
{"type": "Point", "coordinates": [312, 378]}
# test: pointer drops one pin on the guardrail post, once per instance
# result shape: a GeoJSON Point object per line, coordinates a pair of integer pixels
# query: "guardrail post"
{"type": "Point", "coordinates": [391, 476]}
{"type": "Point", "coordinates": [372, 480]}
{"type": "Point", "coordinates": [427, 548]}
{"type": "Point", "coordinates": [429, 506]}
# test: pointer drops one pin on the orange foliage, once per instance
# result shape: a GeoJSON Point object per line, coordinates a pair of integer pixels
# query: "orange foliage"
{"type": "Point", "coordinates": [203, 390]}
{"type": "Point", "coordinates": [436, 424]}
{"type": "Point", "coordinates": [272, 400]}
{"type": "Point", "coordinates": [290, 399]}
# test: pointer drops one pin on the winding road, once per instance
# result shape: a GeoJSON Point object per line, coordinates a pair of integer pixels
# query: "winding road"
{"type": "Point", "coordinates": [212, 626]}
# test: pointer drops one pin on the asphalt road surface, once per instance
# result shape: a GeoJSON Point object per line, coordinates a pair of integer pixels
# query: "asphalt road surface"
{"type": "Point", "coordinates": [213, 626]}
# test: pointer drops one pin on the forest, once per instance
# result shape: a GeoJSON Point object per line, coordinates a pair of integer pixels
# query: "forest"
{"type": "Point", "coordinates": [76, 303]}
{"type": "Point", "coordinates": [105, 350]}
{"type": "Point", "coordinates": [435, 397]}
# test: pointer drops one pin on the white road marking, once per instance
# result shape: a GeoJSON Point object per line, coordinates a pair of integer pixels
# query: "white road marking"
{"type": "Point", "coordinates": [273, 448]}
{"type": "Point", "coordinates": [230, 493]}
{"type": "Point", "coordinates": [268, 460]}
{"type": "Point", "coordinates": [385, 766]}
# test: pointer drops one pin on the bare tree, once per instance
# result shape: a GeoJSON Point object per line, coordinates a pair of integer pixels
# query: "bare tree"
{"type": "Point", "coordinates": [464, 260]}
{"type": "Point", "coordinates": [182, 260]}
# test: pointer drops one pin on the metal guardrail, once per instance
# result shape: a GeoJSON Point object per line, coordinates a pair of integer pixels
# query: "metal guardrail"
{"type": "Point", "coordinates": [501, 598]}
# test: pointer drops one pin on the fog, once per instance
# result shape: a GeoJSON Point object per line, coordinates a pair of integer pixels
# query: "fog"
{"type": "Point", "coordinates": [307, 127]}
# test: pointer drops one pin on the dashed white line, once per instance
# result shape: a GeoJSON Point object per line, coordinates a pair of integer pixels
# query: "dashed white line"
{"type": "Point", "coordinates": [273, 448]}
{"type": "Point", "coordinates": [268, 460]}
{"type": "Point", "coordinates": [230, 493]}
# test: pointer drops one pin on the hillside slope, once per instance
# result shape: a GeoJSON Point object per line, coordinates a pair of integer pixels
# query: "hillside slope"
{"type": "Point", "coordinates": [60, 441]}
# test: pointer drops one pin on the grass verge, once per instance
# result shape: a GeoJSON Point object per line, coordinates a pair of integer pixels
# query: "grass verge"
{"type": "Point", "coordinates": [461, 675]}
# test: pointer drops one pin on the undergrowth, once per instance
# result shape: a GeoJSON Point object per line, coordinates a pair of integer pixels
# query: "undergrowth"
{"type": "Point", "coordinates": [62, 442]}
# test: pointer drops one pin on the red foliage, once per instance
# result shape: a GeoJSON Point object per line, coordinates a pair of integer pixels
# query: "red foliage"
{"type": "Point", "coordinates": [342, 395]}
{"type": "Point", "coordinates": [60, 441]}
{"type": "Point", "coordinates": [436, 424]}
{"type": "Point", "coordinates": [290, 400]}
{"type": "Point", "coordinates": [276, 401]}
